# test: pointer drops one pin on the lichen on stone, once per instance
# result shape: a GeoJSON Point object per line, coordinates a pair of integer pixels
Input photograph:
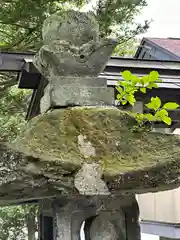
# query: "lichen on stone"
{"type": "Point", "coordinates": [53, 137]}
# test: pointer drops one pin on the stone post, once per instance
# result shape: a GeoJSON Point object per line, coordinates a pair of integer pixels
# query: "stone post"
{"type": "Point", "coordinates": [106, 217]}
{"type": "Point", "coordinates": [71, 59]}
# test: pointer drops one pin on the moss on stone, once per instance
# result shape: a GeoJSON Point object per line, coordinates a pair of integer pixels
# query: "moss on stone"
{"type": "Point", "coordinates": [54, 137]}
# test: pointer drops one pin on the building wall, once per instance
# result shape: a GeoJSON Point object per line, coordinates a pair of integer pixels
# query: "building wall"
{"type": "Point", "coordinates": [160, 207]}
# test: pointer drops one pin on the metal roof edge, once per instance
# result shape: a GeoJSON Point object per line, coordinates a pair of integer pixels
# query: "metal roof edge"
{"type": "Point", "coordinates": [139, 48]}
{"type": "Point", "coordinates": [19, 53]}
{"type": "Point", "coordinates": [144, 60]}
{"type": "Point", "coordinates": [148, 40]}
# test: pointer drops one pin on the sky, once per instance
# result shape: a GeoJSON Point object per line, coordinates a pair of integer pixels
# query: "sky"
{"type": "Point", "coordinates": [165, 16]}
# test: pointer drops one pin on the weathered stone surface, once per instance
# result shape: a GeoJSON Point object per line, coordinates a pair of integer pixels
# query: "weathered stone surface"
{"type": "Point", "coordinates": [102, 228]}
{"type": "Point", "coordinates": [131, 161]}
{"type": "Point", "coordinates": [73, 46]}
{"type": "Point", "coordinates": [76, 91]}
{"type": "Point", "coordinates": [74, 27]}
{"type": "Point", "coordinates": [88, 180]}
{"type": "Point", "coordinates": [56, 82]}
{"type": "Point", "coordinates": [45, 159]}
{"type": "Point", "coordinates": [86, 147]}
{"type": "Point", "coordinates": [76, 96]}
{"type": "Point", "coordinates": [24, 178]}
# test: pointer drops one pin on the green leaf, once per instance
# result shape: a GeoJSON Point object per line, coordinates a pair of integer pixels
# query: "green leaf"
{"type": "Point", "coordinates": [119, 96]}
{"type": "Point", "coordinates": [167, 120]}
{"type": "Point", "coordinates": [119, 83]}
{"type": "Point", "coordinates": [124, 102]}
{"type": "Point", "coordinates": [143, 90]}
{"type": "Point", "coordinates": [150, 117]}
{"type": "Point", "coordinates": [128, 88]}
{"type": "Point", "coordinates": [126, 75]}
{"type": "Point", "coordinates": [123, 83]}
{"type": "Point", "coordinates": [154, 75]}
{"type": "Point", "coordinates": [152, 85]}
{"type": "Point", "coordinates": [119, 89]}
{"type": "Point", "coordinates": [131, 99]}
{"type": "Point", "coordinates": [150, 105]}
{"type": "Point", "coordinates": [139, 116]}
{"type": "Point", "coordinates": [161, 113]}
{"type": "Point", "coordinates": [135, 79]}
{"type": "Point", "coordinates": [171, 106]}
{"type": "Point", "coordinates": [163, 116]}
{"type": "Point", "coordinates": [145, 79]}
{"type": "Point", "coordinates": [155, 103]}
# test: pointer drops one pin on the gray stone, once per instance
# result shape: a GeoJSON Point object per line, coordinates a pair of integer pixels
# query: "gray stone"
{"type": "Point", "coordinates": [104, 217]}
{"type": "Point", "coordinates": [78, 91]}
{"type": "Point", "coordinates": [73, 46]}
{"type": "Point", "coordinates": [67, 95]}
{"type": "Point", "coordinates": [63, 226]}
{"type": "Point", "coordinates": [64, 26]}
{"type": "Point", "coordinates": [138, 107]}
{"type": "Point", "coordinates": [45, 101]}
{"type": "Point", "coordinates": [109, 223]}
{"type": "Point", "coordinates": [57, 82]}
{"type": "Point", "coordinates": [52, 62]}
{"type": "Point", "coordinates": [69, 218]}
{"type": "Point", "coordinates": [88, 180]}
{"type": "Point", "coordinates": [102, 228]}
{"type": "Point", "coordinates": [86, 148]}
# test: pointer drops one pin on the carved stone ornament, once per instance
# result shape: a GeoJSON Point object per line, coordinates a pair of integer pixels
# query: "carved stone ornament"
{"type": "Point", "coordinates": [73, 46]}
{"type": "Point", "coordinates": [71, 60]}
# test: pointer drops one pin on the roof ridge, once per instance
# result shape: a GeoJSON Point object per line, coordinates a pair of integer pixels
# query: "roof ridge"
{"type": "Point", "coordinates": [168, 38]}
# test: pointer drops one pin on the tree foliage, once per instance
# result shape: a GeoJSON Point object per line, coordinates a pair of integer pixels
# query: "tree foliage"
{"type": "Point", "coordinates": [118, 18]}
{"type": "Point", "coordinates": [14, 222]}
{"type": "Point", "coordinates": [21, 20]}
{"type": "Point", "coordinates": [12, 112]}
{"type": "Point", "coordinates": [127, 49]}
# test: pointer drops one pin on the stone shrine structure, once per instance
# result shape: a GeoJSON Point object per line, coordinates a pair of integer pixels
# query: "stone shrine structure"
{"type": "Point", "coordinates": [71, 60]}
{"type": "Point", "coordinates": [80, 158]}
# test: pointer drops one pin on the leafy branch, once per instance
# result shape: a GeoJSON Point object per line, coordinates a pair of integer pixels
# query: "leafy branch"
{"type": "Point", "coordinates": [133, 84]}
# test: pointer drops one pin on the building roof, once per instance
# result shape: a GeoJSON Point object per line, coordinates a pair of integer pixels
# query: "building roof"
{"type": "Point", "coordinates": [170, 44]}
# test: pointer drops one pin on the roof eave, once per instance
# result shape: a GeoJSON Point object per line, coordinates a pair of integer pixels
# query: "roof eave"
{"type": "Point", "coordinates": [148, 40]}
